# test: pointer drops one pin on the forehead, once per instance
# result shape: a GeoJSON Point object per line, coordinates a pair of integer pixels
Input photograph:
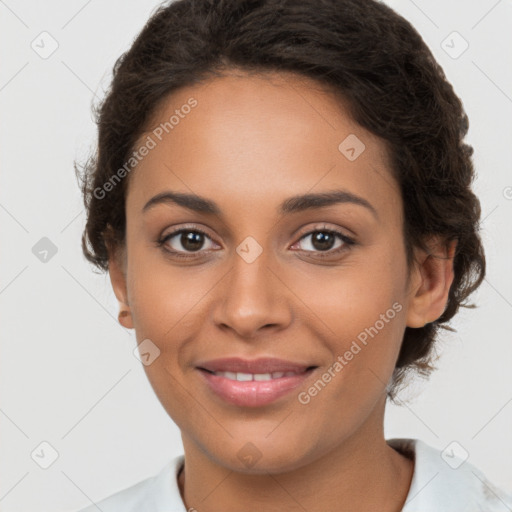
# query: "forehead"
{"type": "Point", "coordinates": [259, 138]}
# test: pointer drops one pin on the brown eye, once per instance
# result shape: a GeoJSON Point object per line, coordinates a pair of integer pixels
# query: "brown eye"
{"type": "Point", "coordinates": [324, 242]}
{"type": "Point", "coordinates": [184, 242]}
{"type": "Point", "coordinates": [191, 240]}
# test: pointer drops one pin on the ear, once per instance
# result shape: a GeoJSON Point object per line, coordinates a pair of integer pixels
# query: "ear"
{"type": "Point", "coordinates": [117, 273]}
{"type": "Point", "coordinates": [430, 283]}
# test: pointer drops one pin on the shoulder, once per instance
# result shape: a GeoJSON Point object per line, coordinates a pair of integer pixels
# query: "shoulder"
{"type": "Point", "coordinates": [446, 481]}
{"type": "Point", "coordinates": [158, 493]}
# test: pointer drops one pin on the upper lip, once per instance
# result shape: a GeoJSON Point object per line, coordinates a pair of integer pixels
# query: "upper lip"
{"type": "Point", "coordinates": [261, 365]}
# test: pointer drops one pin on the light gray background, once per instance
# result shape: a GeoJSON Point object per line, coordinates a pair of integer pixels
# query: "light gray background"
{"type": "Point", "coordinates": [68, 373]}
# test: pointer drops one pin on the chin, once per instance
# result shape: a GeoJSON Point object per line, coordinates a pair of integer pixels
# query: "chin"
{"type": "Point", "coordinates": [259, 457]}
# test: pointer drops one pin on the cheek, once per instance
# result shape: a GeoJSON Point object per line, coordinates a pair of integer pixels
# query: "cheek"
{"type": "Point", "coordinates": [361, 309]}
{"type": "Point", "coordinates": [353, 296]}
{"type": "Point", "coordinates": [163, 297]}
{"type": "Point", "coordinates": [165, 303]}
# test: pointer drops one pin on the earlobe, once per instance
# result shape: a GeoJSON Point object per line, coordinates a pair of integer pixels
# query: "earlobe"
{"type": "Point", "coordinates": [125, 318]}
{"type": "Point", "coordinates": [117, 273]}
{"type": "Point", "coordinates": [431, 284]}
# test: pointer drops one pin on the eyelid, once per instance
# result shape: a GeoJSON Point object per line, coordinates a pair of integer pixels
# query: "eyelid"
{"type": "Point", "coordinates": [186, 227]}
{"type": "Point", "coordinates": [323, 226]}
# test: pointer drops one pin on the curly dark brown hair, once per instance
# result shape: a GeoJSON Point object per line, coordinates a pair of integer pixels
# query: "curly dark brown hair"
{"type": "Point", "coordinates": [361, 49]}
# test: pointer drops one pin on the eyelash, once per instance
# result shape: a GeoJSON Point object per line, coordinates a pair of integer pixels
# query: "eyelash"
{"type": "Point", "coordinates": [347, 242]}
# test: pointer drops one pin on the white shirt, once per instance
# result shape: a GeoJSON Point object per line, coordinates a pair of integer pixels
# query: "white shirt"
{"type": "Point", "coordinates": [436, 486]}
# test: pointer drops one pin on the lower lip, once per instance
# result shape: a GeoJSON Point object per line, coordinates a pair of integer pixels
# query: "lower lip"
{"type": "Point", "coordinates": [253, 393]}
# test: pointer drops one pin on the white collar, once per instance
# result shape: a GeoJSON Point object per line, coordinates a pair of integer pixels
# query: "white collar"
{"type": "Point", "coordinates": [447, 482]}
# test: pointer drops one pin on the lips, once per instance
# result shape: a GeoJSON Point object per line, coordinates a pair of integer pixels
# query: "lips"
{"type": "Point", "coordinates": [255, 383]}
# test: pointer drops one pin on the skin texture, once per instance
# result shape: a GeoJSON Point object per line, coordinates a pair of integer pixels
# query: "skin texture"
{"type": "Point", "coordinates": [250, 143]}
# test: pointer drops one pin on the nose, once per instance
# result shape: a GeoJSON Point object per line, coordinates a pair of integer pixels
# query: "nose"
{"type": "Point", "coordinates": [252, 299]}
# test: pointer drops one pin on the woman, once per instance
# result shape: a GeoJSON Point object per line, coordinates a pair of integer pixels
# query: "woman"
{"type": "Point", "coordinates": [281, 196]}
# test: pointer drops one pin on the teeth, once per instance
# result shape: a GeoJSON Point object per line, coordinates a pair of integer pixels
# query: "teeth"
{"type": "Point", "coordinates": [243, 377]}
{"type": "Point", "coordinates": [262, 376]}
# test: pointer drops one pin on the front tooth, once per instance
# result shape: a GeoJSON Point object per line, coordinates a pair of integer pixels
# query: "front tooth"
{"type": "Point", "coordinates": [243, 376]}
{"type": "Point", "coordinates": [229, 375]}
{"type": "Point", "coordinates": [263, 376]}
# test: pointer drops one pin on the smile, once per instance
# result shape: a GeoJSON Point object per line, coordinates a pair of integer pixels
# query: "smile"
{"type": "Point", "coordinates": [253, 389]}
{"type": "Point", "coordinates": [245, 377]}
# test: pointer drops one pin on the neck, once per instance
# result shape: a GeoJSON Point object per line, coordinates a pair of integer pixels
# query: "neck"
{"type": "Point", "coordinates": [363, 473]}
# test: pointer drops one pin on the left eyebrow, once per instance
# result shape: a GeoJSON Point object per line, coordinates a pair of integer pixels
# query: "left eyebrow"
{"type": "Point", "coordinates": [293, 204]}
{"type": "Point", "coordinates": [320, 200]}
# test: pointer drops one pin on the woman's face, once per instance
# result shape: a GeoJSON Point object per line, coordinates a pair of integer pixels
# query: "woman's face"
{"type": "Point", "coordinates": [278, 273]}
